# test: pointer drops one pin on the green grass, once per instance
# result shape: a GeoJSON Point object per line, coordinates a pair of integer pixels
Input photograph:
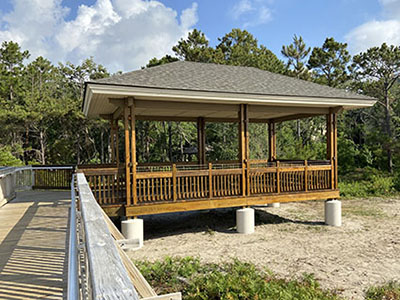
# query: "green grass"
{"type": "Point", "coordinates": [227, 281]}
{"type": "Point", "coordinates": [389, 291]}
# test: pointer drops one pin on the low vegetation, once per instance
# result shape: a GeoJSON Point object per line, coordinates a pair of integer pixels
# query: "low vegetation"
{"type": "Point", "coordinates": [239, 280]}
{"type": "Point", "coordinates": [390, 291]}
{"type": "Point", "coordinates": [234, 280]}
{"type": "Point", "coordinates": [369, 182]}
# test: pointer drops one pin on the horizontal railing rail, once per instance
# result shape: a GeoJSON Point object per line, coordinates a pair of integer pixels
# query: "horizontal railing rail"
{"type": "Point", "coordinates": [107, 275]}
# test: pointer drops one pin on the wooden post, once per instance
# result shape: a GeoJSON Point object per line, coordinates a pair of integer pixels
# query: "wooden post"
{"type": "Point", "coordinates": [278, 179]}
{"type": "Point", "coordinates": [271, 141]}
{"type": "Point", "coordinates": [210, 185]}
{"type": "Point", "coordinates": [201, 141]}
{"type": "Point", "coordinates": [117, 143]}
{"type": "Point", "coordinates": [133, 153]}
{"type": "Point", "coordinates": [174, 195]}
{"type": "Point", "coordinates": [244, 144]}
{"type": "Point", "coordinates": [335, 156]}
{"type": "Point", "coordinates": [127, 156]}
{"type": "Point", "coordinates": [331, 138]}
{"type": "Point", "coordinates": [305, 176]}
{"type": "Point", "coordinates": [112, 140]}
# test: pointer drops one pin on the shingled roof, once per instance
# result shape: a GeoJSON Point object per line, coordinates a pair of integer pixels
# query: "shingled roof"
{"type": "Point", "coordinates": [193, 76]}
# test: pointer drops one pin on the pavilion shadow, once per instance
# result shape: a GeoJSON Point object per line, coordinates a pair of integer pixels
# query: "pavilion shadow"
{"type": "Point", "coordinates": [219, 220]}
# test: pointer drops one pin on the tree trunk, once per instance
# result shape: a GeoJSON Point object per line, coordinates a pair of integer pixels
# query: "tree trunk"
{"type": "Point", "coordinates": [42, 147]}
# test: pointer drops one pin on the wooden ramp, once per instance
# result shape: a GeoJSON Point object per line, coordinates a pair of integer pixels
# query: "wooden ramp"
{"type": "Point", "coordinates": [34, 245]}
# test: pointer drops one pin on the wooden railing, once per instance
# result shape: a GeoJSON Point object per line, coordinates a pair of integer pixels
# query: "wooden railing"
{"type": "Point", "coordinates": [289, 176]}
{"type": "Point", "coordinates": [52, 177]}
{"type": "Point", "coordinates": [157, 183]}
{"type": "Point", "coordinates": [106, 183]}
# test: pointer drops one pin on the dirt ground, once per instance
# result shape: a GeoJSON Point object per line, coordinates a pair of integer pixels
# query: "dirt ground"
{"type": "Point", "coordinates": [291, 240]}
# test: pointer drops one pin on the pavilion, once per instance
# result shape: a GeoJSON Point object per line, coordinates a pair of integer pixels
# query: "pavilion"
{"type": "Point", "coordinates": [199, 92]}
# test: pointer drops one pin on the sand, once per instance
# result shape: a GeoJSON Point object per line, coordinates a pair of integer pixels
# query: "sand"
{"type": "Point", "coordinates": [291, 240]}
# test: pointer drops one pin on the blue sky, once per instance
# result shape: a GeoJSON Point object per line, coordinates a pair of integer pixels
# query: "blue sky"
{"type": "Point", "coordinates": [125, 34]}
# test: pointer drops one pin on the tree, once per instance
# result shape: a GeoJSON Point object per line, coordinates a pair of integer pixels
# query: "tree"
{"type": "Point", "coordinates": [11, 68]}
{"type": "Point", "coordinates": [163, 60]}
{"type": "Point", "coordinates": [240, 48]}
{"type": "Point", "coordinates": [329, 62]}
{"type": "Point", "coordinates": [194, 48]}
{"type": "Point", "coordinates": [296, 54]}
{"type": "Point", "coordinates": [377, 70]}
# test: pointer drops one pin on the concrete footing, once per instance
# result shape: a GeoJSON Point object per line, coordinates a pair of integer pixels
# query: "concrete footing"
{"type": "Point", "coordinates": [132, 229]}
{"type": "Point", "coordinates": [276, 204]}
{"type": "Point", "coordinates": [333, 212]}
{"type": "Point", "coordinates": [245, 220]}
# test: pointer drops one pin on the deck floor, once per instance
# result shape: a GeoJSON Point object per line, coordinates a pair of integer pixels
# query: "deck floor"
{"type": "Point", "coordinates": [33, 249]}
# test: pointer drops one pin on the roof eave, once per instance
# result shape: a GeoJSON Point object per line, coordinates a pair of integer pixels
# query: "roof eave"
{"type": "Point", "coordinates": [222, 97]}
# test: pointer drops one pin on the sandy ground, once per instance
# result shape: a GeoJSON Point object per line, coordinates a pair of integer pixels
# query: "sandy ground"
{"type": "Point", "coordinates": [291, 240]}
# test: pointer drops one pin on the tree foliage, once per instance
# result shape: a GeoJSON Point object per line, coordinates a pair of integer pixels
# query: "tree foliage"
{"type": "Point", "coordinates": [41, 119]}
{"type": "Point", "coordinates": [329, 62]}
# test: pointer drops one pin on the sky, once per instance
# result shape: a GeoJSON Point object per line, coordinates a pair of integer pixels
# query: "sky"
{"type": "Point", "coordinates": [123, 35]}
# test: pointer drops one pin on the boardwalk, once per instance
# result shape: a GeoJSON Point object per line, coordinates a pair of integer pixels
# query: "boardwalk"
{"type": "Point", "coordinates": [33, 249]}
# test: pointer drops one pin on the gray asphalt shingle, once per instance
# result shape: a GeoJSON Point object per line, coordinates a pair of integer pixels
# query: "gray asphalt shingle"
{"type": "Point", "coordinates": [183, 75]}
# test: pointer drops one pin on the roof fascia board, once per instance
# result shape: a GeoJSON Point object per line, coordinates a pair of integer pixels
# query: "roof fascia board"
{"type": "Point", "coordinates": [228, 98]}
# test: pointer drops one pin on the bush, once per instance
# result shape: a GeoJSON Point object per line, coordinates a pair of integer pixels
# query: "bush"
{"type": "Point", "coordinates": [234, 280]}
{"type": "Point", "coordinates": [390, 291]}
{"type": "Point", "coordinates": [367, 183]}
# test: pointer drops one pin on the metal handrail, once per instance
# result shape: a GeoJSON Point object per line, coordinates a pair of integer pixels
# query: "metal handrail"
{"type": "Point", "coordinates": [73, 285]}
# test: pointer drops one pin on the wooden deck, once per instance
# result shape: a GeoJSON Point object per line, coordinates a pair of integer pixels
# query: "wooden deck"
{"type": "Point", "coordinates": [33, 249]}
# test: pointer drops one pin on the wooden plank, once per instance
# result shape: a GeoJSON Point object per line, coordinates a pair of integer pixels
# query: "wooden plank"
{"type": "Point", "coordinates": [172, 296]}
{"type": "Point", "coordinates": [109, 278]}
{"type": "Point", "coordinates": [141, 285]}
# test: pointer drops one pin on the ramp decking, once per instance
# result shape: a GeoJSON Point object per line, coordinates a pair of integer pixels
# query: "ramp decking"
{"type": "Point", "coordinates": [33, 245]}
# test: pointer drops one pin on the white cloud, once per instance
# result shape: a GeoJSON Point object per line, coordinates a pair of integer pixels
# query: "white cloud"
{"type": "Point", "coordinates": [252, 12]}
{"type": "Point", "coordinates": [120, 34]}
{"type": "Point", "coordinates": [376, 32]}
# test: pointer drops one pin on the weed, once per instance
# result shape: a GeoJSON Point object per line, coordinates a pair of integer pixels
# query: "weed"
{"type": "Point", "coordinates": [389, 291]}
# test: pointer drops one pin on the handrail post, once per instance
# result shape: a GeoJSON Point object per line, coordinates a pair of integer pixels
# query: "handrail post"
{"type": "Point", "coordinates": [243, 179]}
{"type": "Point", "coordinates": [174, 194]}
{"type": "Point", "coordinates": [210, 185]}
{"type": "Point", "coordinates": [278, 180]}
{"type": "Point", "coordinates": [248, 177]}
{"type": "Point", "coordinates": [305, 176]}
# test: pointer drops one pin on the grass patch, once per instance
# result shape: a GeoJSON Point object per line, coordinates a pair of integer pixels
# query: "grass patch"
{"type": "Point", "coordinates": [363, 211]}
{"type": "Point", "coordinates": [228, 281]}
{"type": "Point", "coordinates": [389, 291]}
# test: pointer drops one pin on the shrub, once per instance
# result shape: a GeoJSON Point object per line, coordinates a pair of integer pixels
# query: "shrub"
{"type": "Point", "coordinates": [234, 280]}
{"type": "Point", "coordinates": [389, 291]}
{"type": "Point", "coordinates": [373, 184]}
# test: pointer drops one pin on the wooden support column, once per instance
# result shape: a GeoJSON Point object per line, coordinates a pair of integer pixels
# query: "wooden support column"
{"type": "Point", "coordinates": [117, 143]}
{"type": "Point", "coordinates": [331, 143]}
{"type": "Point", "coordinates": [127, 155]}
{"type": "Point", "coordinates": [201, 141]}
{"type": "Point", "coordinates": [244, 150]}
{"type": "Point", "coordinates": [334, 121]}
{"type": "Point", "coordinates": [133, 152]}
{"type": "Point", "coordinates": [112, 140]}
{"type": "Point", "coordinates": [271, 141]}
